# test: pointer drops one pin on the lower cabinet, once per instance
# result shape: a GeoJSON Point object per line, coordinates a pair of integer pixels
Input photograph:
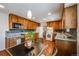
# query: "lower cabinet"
{"type": "Point", "coordinates": [66, 48]}
{"type": "Point", "coordinates": [10, 43]}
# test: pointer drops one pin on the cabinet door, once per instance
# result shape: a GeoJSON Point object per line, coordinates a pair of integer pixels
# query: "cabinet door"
{"type": "Point", "coordinates": [35, 25]}
{"type": "Point", "coordinates": [63, 21]}
{"type": "Point", "coordinates": [12, 19]}
{"type": "Point", "coordinates": [7, 44]}
{"type": "Point", "coordinates": [10, 43]}
{"type": "Point", "coordinates": [21, 21]}
{"type": "Point", "coordinates": [60, 24]}
{"type": "Point", "coordinates": [48, 24]}
{"type": "Point", "coordinates": [29, 25]}
{"type": "Point", "coordinates": [71, 17]}
{"type": "Point", "coordinates": [66, 48]}
{"type": "Point", "coordinates": [26, 24]}
{"type": "Point", "coordinates": [32, 25]}
{"type": "Point", "coordinates": [54, 25]}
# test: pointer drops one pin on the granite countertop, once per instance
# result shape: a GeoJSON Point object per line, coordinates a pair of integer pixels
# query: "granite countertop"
{"type": "Point", "coordinates": [68, 39]}
{"type": "Point", "coordinates": [65, 37]}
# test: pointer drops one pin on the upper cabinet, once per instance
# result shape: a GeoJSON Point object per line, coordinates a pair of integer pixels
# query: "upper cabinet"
{"type": "Point", "coordinates": [70, 17]}
{"type": "Point", "coordinates": [55, 24]}
{"type": "Point", "coordinates": [63, 20]}
{"type": "Point", "coordinates": [26, 24]}
{"type": "Point", "coordinates": [60, 24]}
{"type": "Point", "coordinates": [32, 25]}
{"type": "Point", "coordinates": [23, 22]}
{"type": "Point", "coordinates": [12, 19]}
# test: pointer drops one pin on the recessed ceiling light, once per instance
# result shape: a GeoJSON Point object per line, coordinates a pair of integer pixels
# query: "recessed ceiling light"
{"type": "Point", "coordinates": [1, 6]}
{"type": "Point", "coordinates": [49, 13]}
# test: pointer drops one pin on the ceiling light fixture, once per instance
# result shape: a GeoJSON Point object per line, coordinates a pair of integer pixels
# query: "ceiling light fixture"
{"type": "Point", "coordinates": [49, 13]}
{"type": "Point", "coordinates": [1, 6]}
{"type": "Point", "coordinates": [29, 14]}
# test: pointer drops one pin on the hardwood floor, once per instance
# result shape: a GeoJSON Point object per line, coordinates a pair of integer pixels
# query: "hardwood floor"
{"type": "Point", "coordinates": [4, 53]}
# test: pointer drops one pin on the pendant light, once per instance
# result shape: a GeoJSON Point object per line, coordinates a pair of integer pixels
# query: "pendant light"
{"type": "Point", "coordinates": [29, 14]}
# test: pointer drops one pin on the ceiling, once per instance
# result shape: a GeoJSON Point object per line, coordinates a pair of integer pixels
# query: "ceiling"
{"type": "Point", "coordinates": [69, 4]}
{"type": "Point", "coordinates": [39, 10]}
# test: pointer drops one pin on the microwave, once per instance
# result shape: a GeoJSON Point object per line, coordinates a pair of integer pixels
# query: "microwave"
{"type": "Point", "coordinates": [16, 25]}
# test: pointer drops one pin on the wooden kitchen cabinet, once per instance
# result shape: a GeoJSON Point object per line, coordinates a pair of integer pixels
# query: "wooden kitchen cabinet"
{"type": "Point", "coordinates": [63, 21]}
{"type": "Point", "coordinates": [66, 48]}
{"type": "Point", "coordinates": [35, 25]}
{"type": "Point", "coordinates": [48, 24]}
{"type": "Point", "coordinates": [26, 23]}
{"type": "Point", "coordinates": [12, 19]}
{"type": "Point", "coordinates": [21, 21]}
{"type": "Point", "coordinates": [60, 24]}
{"type": "Point", "coordinates": [10, 43]}
{"type": "Point", "coordinates": [32, 25]}
{"type": "Point", "coordinates": [71, 17]}
{"type": "Point", "coordinates": [55, 24]}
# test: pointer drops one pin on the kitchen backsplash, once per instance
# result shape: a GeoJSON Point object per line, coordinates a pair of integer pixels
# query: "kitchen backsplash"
{"type": "Point", "coordinates": [19, 30]}
{"type": "Point", "coordinates": [16, 33]}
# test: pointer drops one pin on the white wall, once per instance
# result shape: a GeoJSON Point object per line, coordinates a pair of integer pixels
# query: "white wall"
{"type": "Point", "coordinates": [78, 29]}
{"type": "Point", "coordinates": [43, 24]}
{"type": "Point", "coordinates": [3, 27]}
